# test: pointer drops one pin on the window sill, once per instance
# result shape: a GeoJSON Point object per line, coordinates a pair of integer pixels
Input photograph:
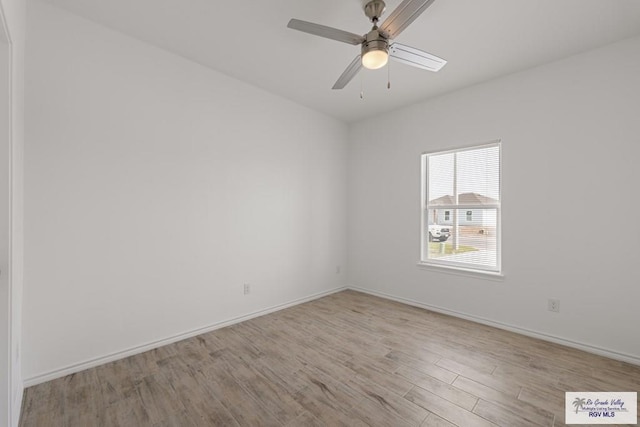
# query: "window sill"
{"type": "Point", "coordinates": [458, 271]}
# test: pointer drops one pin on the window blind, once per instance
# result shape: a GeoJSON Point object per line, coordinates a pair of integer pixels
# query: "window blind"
{"type": "Point", "coordinates": [461, 210]}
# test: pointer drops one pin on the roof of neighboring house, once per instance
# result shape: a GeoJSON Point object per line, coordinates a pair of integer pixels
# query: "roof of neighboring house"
{"type": "Point", "coordinates": [464, 199]}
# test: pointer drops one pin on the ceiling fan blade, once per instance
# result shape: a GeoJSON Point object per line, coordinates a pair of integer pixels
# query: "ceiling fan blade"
{"type": "Point", "coordinates": [402, 16]}
{"type": "Point", "coordinates": [349, 73]}
{"type": "Point", "coordinates": [415, 57]}
{"type": "Point", "coordinates": [324, 31]}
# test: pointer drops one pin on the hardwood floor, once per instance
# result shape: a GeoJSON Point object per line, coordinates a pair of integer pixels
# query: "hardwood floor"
{"type": "Point", "coordinates": [347, 359]}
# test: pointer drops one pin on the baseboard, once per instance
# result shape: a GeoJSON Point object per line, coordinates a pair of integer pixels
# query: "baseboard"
{"type": "Point", "coordinates": [91, 363]}
{"type": "Point", "coordinates": [635, 360]}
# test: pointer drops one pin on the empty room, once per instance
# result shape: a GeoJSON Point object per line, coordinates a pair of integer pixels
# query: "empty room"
{"type": "Point", "coordinates": [319, 213]}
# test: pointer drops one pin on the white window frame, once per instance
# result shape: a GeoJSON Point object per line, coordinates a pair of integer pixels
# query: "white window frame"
{"type": "Point", "coordinates": [458, 266]}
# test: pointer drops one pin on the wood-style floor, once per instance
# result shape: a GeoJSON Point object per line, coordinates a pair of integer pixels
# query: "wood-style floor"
{"type": "Point", "coordinates": [347, 359]}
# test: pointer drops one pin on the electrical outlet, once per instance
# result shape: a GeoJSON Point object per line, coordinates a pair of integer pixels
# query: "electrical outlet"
{"type": "Point", "coordinates": [247, 288]}
{"type": "Point", "coordinates": [554, 305]}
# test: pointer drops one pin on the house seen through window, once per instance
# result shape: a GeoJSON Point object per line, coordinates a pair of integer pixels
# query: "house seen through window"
{"type": "Point", "coordinates": [461, 208]}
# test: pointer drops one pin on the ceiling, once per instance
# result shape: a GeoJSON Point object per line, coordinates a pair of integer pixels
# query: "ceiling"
{"type": "Point", "coordinates": [481, 40]}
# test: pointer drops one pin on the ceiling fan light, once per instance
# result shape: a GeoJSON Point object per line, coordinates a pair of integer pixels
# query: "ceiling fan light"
{"type": "Point", "coordinates": [375, 59]}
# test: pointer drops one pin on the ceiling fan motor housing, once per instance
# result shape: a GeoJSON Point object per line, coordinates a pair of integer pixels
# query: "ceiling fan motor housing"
{"type": "Point", "coordinates": [375, 50]}
{"type": "Point", "coordinates": [375, 41]}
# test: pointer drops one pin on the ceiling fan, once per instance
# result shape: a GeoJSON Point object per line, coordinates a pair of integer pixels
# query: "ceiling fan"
{"type": "Point", "coordinates": [376, 49]}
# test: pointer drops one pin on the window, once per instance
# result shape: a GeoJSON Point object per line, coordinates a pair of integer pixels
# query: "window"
{"type": "Point", "coordinates": [461, 208]}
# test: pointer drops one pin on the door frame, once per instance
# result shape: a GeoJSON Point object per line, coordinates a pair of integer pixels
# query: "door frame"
{"type": "Point", "coordinates": [6, 168]}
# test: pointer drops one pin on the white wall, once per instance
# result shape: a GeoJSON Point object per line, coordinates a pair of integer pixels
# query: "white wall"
{"type": "Point", "coordinates": [12, 12]}
{"type": "Point", "coordinates": [155, 188]}
{"type": "Point", "coordinates": [571, 145]}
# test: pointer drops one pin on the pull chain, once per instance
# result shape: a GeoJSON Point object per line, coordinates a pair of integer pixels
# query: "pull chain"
{"type": "Point", "coordinates": [361, 89]}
